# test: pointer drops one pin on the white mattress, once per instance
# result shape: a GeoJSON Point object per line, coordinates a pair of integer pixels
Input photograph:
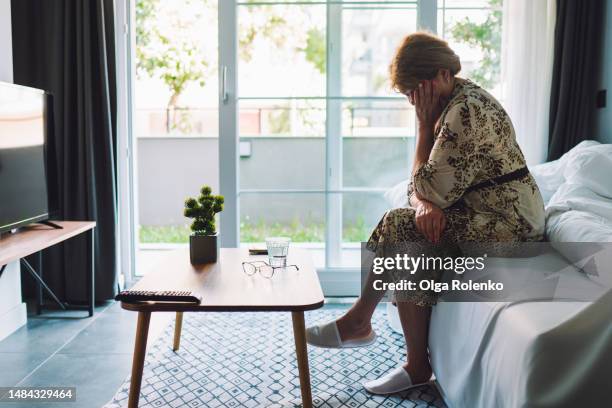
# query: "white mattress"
{"type": "Point", "coordinates": [525, 354]}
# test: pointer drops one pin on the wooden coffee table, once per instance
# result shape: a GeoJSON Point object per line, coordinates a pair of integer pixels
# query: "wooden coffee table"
{"type": "Point", "coordinates": [224, 287]}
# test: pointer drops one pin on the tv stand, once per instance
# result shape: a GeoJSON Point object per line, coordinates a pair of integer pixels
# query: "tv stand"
{"type": "Point", "coordinates": [34, 239]}
{"type": "Point", "coordinates": [51, 224]}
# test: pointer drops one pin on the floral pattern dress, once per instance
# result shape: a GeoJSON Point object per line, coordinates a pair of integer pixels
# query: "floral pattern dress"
{"type": "Point", "coordinates": [474, 141]}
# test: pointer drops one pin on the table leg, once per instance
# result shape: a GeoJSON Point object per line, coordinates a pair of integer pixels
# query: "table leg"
{"type": "Point", "coordinates": [140, 351]}
{"type": "Point", "coordinates": [41, 282]}
{"type": "Point", "coordinates": [91, 293]}
{"type": "Point", "coordinates": [39, 290]}
{"type": "Point", "coordinates": [299, 334]}
{"type": "Point", "coordinates": [177, 331]}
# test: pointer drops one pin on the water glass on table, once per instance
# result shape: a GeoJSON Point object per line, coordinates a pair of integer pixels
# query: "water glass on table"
{"type": "Point", "coordinates": [278, 248]}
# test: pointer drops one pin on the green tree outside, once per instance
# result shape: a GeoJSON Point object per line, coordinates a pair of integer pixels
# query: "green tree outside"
{"type": "Point", "coordinates": [487, 37]}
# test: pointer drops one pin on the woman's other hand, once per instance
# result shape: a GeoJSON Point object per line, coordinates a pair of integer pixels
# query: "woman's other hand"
{"type": "Point", "coordinates": [426, 99]}
{"type": "Point", "coordinates": [430, 220]}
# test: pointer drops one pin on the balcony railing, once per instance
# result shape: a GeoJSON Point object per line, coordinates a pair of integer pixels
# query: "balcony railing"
{"type": "Point", "coordinates": [305, 120]}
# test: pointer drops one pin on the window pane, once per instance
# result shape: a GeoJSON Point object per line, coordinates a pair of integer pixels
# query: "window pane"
{"type": "Point", "coordinates": [370, 36]}
{"type": "Point", "coordinates": [377, 162]}
{"type": "Point", "coordinates": [276, 2]}
{"type": "Point", "coordinates": [378, 118]}
{"type": "Point", "coordinates": [473, 30]}
{"type": "Point", "coordinates": [179, 122]}
{"type": "Point", "coordinates": [176, 115]}
{"type": "Point", "coordinates": [464, 3]}
{"type": "Point", "coordinates": [282, 163]}
{"type": "Point", "coordinates": [282, 50]}
{"type": "Point", "coordinates": [378, 142]}
{"type": "Point", "coordinates": [285, 2]}
{"type": "Point", "coordinates": [282, 144]}
{"type": "Point", "coordinates": [282, 117]}
{"type": "Point", "coordinates": [361, 212]}
{"type": "Point", "coordinates": [298, 216]}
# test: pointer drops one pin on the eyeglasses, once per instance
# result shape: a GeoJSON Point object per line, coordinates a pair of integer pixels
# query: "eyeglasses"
{"type": "Point", "coordinates": [264, 268]}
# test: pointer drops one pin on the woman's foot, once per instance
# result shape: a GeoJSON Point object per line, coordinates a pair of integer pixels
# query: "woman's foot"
{"type": "Point", "coordinates": [345, 332]}
{"type": "Point", "coordinates": [350, 328]}
{"type": "Point", "coordinates": [400, 379]}
{"type": "Point", "coordinates": [419, 372]}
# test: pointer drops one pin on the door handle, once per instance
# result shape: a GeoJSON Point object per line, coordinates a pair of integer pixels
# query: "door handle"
{"type": "Point", "coordinates": [224, 93]}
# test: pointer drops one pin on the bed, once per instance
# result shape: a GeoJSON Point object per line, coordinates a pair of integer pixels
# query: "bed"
{"type": "Point", "coordinates": [533, 353]}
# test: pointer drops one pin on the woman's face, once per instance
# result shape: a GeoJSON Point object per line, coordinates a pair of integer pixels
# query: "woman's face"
{"type": "Point", "coordinates": [443, 82]}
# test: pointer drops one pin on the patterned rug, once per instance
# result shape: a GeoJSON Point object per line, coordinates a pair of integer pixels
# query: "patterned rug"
{"type": "Point", "coordinates": [248, 360]}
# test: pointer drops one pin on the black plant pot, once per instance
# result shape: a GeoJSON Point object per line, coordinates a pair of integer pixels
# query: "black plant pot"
{"type": "Point", "coordinates": [203, 249]}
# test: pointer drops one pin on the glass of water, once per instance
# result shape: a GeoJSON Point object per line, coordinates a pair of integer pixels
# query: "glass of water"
{"type": "Point", "coordinates": [278, 247]}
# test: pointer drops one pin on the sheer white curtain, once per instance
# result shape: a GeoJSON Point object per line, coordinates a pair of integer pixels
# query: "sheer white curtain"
{"type": "Point", "coordinates": [527, 58]}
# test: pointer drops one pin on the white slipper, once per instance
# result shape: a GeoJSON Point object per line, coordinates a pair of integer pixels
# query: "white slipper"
{"type": "Point", "coordinates": [327, 336]}
{"type": "Point", "coordinates": [396, 380]}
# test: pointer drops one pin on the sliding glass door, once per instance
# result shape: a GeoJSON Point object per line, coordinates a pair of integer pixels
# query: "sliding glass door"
{"type": "Point", "coordinates": [282, 66]}
{"type": "Point", "coordinates": [372, 128]}
{"type": "Point", "coordinates": [285, 108]}
{"type": "Point", "coordinates": [321, 135]}
{"type": "Point", "coordinates": [175, 123]}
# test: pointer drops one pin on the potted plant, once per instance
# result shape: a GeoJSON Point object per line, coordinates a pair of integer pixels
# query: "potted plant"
{"type": "Point", "coordinates": [203, 245]}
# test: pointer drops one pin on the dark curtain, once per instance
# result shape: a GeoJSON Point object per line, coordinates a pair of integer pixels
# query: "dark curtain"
{"type": "Point", "coordinates": [66, 47]}
{"type": "Point", "coordinates": [578, 33]}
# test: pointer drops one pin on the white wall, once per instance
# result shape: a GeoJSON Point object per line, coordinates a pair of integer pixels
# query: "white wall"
{"type": "Point", "coordinates": [173, 168]}
{"type": "Point", "coordinates": [12, 309]}
{"type": "Point", "coordinates": [603, 117]}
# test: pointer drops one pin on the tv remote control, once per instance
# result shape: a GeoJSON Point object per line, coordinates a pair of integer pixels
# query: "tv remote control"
{"type": "Point", "coordinates": [131, 296]}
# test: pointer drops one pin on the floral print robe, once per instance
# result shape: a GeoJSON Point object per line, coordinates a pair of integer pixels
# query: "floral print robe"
{"type": "Point", "coordinates": [474, 141]}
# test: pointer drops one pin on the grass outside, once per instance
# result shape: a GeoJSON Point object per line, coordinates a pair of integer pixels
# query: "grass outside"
{"type": "Point", "coordinates": [258, 231]}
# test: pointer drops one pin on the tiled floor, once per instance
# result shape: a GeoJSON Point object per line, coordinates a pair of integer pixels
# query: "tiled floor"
{"type": "Point", "coordinates": [68, 349]}
{"type": "Point", "coordinates": [247, 360]}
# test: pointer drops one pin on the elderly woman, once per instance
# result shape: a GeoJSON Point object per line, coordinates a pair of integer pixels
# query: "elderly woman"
{"type": "Point", "coordinates": [469, 183]}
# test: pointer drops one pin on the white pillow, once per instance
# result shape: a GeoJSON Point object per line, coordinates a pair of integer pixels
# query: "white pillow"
{"type": "Point", "coordinates": [549, 176]}
{"type": "Point", "coordinates": [592, 168]}
{"type": "Point", "coordinates": [577, 197]}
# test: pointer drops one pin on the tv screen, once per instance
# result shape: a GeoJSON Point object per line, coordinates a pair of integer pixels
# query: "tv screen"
{"type": "Point", "coordinates": [23, 184]}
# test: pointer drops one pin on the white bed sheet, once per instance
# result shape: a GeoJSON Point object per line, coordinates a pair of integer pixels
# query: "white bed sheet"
{"type": "Point", "coordinates": [525, 354]}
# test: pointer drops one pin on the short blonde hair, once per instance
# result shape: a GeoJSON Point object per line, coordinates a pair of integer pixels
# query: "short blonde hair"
{"type": "Point", "coordinates": [420, 56]}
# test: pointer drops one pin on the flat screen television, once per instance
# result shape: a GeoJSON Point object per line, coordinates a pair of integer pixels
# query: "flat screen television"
{"type": "Point", "coordinates": [23, 183]}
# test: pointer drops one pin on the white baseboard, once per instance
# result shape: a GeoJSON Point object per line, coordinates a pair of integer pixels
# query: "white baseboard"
{"type": "Point", "coordinates": [12, 320]}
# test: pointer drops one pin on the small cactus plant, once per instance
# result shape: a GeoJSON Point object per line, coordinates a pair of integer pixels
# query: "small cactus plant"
{"type": "Point", "coordinates": [203, 210]}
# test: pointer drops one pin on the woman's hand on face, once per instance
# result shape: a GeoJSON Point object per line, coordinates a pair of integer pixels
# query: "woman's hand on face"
{"type": "Point", "coordinates": [430, 220]}
{"type": "Point", "coordinates": [426, 99]}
